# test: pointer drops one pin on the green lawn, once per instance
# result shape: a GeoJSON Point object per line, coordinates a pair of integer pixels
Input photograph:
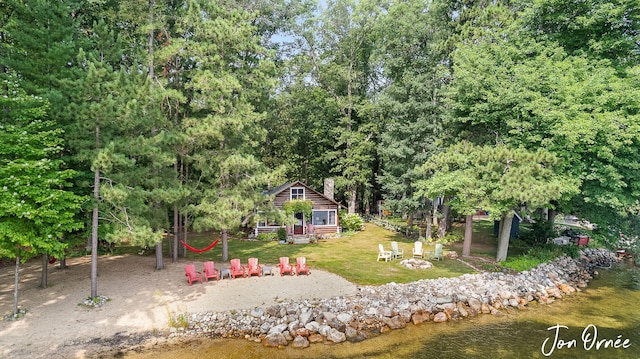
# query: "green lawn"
{"type": "Point", "coordinates": [352, 257]}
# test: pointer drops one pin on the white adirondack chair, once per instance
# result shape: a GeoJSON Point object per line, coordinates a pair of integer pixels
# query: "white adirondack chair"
{"type": "Point", "coordinates": [382, 254]}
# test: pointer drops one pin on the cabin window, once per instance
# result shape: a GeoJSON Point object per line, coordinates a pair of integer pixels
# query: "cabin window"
{"type": "Point", "coordinates": [324, 218]}
{"type": "Point", "coordinates": [269, 223]}
{"type": "Point", "coordinates": [297, 193]}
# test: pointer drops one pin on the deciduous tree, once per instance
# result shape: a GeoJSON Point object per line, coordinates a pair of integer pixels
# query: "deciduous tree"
{"type": "Point", "coordinates": [36, 207]}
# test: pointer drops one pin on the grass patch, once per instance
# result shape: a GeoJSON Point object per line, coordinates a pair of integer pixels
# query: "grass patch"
{"type": "Point", "coordinates": [541, 254]}
{"type": "Point", "coordinates": [352, 256]}
{"type": "Point", "coordinates": [523, 262]}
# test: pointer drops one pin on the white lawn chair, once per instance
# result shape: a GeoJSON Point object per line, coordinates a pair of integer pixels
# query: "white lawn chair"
{"type": "Point", "coordinates": [396, 251]}
{"type": "Point", "coordinates": [417, 250]}
{"type": "Point", "coordinates": [382, 254]}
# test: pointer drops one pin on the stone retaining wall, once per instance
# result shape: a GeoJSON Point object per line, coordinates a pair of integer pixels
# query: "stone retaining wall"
{"type": "Point", "coordinates": [377, 309]}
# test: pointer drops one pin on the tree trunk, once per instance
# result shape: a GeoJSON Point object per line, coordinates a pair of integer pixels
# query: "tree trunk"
{"type": "Point", "coordinates": [94, 221]}
{"type": "Point", "coordinates": [63, 263]}
{"type": "Point", "coordinates": [434, 212]}
{"type": "Point", "coordinates": [225, 245]}
{"type": "Point", "coordinates": [184, 237]}
{"type": "Point", "coordinates": [159, 259]}
{"type": "Point", "coordinates": [504, 236]}
{"type": "Point", "coordinates": [353, 199]}
{"type": "Point", "coordinates": [468, 235]}
{"type": "Point", "coordinates": [429, 231]}
{"type": "Point", "coordinates": [447, 218]}
{"type": "Point", "coordinates": [176, 232]}
{"type": "Point", "coordinates": [449, 221]}
{"type": "Point", "coordinates": [152, 4]}
{"type": "Point", "coordinates": [552, 216]}
{"type": "Point", "coordinates": [443, 226]}
{"type": "Point", "coordinates": [15, 286]}
{"type": "Point", "coordinates": [428, 223]}
{"type": "Point", "coordinates": [409, 225]}
{"type": "Point", "coordinates": [45, 271]}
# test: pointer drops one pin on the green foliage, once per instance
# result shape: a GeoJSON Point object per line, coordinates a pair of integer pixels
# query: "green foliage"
{"type": "Point", "coordinates": [571, 251]}
{"type": "Point", "coordinates": [451, 237]}
{"type": "Point", "coordinates": [409, 107]}
{"type": "Point", "coordinates": [178, 320]}
{"type": "Point", "coordinates": [539, 255]}
{"type": "Point", "coordinates": [351, 222]}
{"type": "Point", "coordinates": [535, 81]}
{"type": "Point", "coordinates": [523, 262]}
{"type": "Point", "coordinates": [271, 236]}
{"type": "Point", "coordinates": [224, 131]}
{"type": "Point", "coordinates": [182, 95]}
{"type": "Point", "coordinates": [537, 233]}
{"type": "Point", "coordinates": [495, 178]}
{"type": "Point", "coordinates": [298, 206]}
{"type": "Point", "coordinates": [584, 27]}
{"type": "Point", "coordinates": [326, 94]}
{"type": "Point", "coordinates": [36, 209]}
{"type": "Point", "coordinates": [15, 316]}
{"type": "Point", "coordinates": [281, 234]}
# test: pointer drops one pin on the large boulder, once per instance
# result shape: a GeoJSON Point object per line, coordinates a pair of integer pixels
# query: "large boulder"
{"type": "Point", "coordinates": [440, 317]}
{"type": "Point", "coordinates": [336, 336]}
{"type": "Point", "coordinates": [300, 342]}
{"type": "Point", "coordinates": [275, 340]}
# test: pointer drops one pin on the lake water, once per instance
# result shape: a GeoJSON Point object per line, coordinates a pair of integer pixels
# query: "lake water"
{"type": "Point", "coordinates": [603, 321]}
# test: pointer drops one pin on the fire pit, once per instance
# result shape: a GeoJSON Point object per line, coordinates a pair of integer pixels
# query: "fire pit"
{"type": "Point", "coordinates": [414, 263]}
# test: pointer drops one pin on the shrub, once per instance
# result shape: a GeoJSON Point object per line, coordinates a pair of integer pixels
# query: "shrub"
{"type": "Point", "coordinates": [267, 236]}
{"type": "Point", "coordinates": [539, 255]}
{"type": "Point", "coordinates": [282, 234]}
{"type": "Point", "coordinates": [571, 251]}
{"type": "Point", "coordinates": [351, 222]}
{"type": "Point", "coordinates": [538, 233]}
{"type": "Point", "coordinates": [451, 237]}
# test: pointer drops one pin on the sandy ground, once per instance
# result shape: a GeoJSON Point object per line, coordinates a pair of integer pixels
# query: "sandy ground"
{"type": "Point", "coordinates": [141, 298]}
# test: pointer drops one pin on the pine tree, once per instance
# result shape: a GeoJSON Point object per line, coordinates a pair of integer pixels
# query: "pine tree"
{"type": "Point", "coordinates": [94, 107]}
{"type": "Point", "coordinates": [224, 130]}
{"type": "Point", "coordinates": [410, 105]}
{"type": "Point", "coordinates": [495, 178]}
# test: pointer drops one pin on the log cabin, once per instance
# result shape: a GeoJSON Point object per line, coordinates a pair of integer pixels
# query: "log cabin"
{"type": "Point", "coordinates": [324, 214]}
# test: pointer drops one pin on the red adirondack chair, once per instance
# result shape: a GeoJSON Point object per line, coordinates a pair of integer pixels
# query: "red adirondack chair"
{"type": "Point", "coordinates": [301, 265]}
{"type": "Point", "coordinates": [237, 269]}
{"type": "Point", "coordinates": [285, 267]}
{"type": "Point", "coordinates": [254, 267]}
{"type": "Point", "coordinates": [210, 271]}
{"type": "Point", "coordinates": [192, 274]}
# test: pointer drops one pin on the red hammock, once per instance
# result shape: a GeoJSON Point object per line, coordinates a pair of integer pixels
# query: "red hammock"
{"type": "Point", "coordinates": [200, 251]}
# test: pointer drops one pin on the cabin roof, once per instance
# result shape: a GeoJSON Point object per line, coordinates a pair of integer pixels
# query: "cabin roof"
{"type": "Point", "coordinates": [277, 190]}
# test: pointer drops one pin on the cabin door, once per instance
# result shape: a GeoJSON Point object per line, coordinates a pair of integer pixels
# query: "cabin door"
{"type": "Point", "coordinates": [298, 227]}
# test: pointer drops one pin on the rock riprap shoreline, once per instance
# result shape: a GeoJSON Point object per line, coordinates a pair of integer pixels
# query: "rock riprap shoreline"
{"type": "Point", "coordinates": [377, 309]}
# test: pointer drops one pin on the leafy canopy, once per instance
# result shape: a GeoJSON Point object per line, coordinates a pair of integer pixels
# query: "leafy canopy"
{"type": "Point", "coordinates": [35, 208]}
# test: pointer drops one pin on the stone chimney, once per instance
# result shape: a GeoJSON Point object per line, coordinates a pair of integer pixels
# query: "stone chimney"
{"type": "Point", "coordinates": [329, 188]}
